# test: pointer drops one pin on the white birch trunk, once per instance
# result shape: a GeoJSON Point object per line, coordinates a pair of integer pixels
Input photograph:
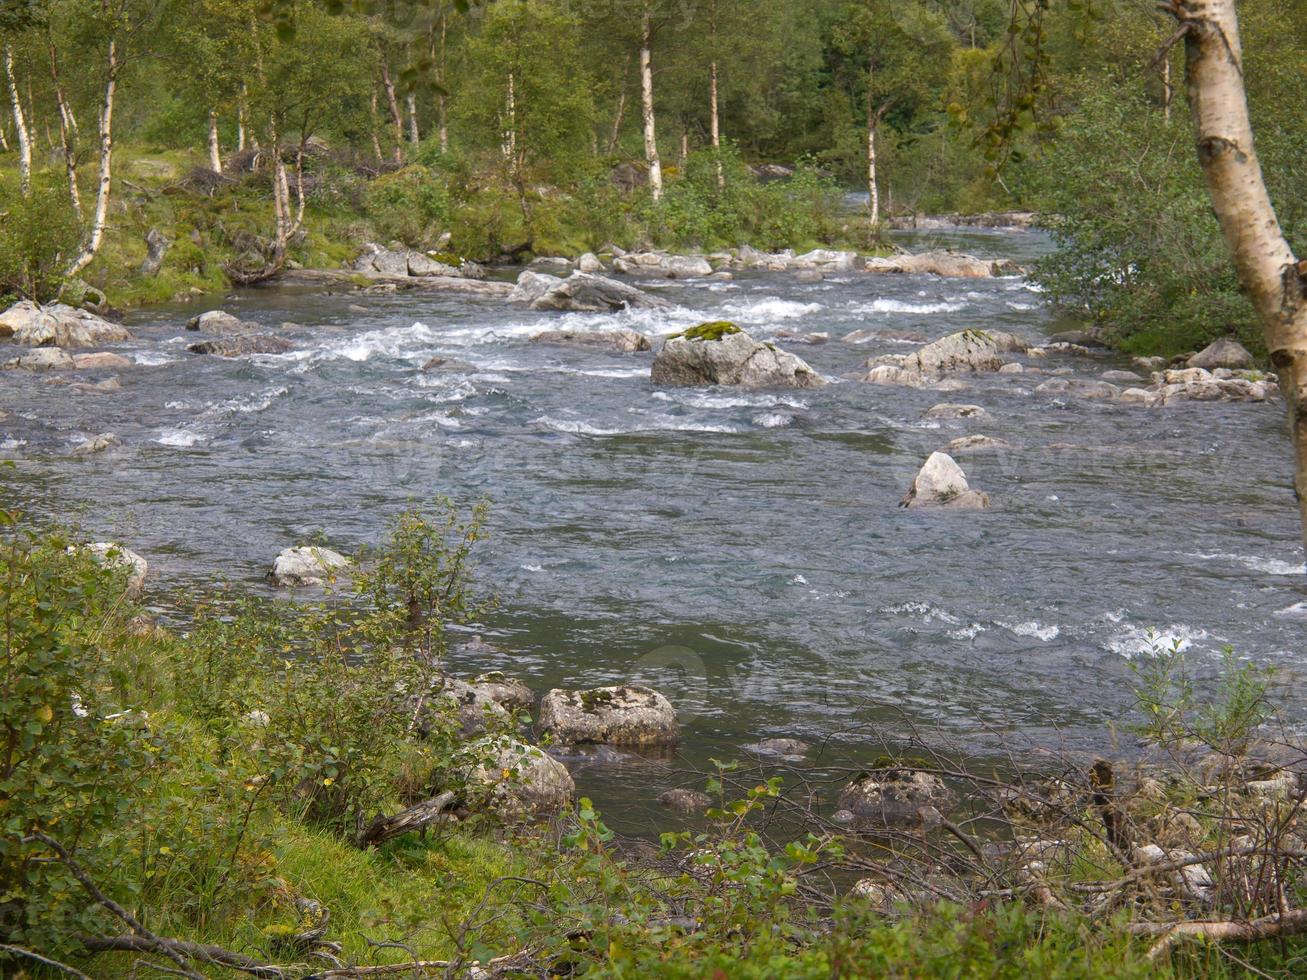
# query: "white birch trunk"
{"type": "Point", "coordinates": [1272, 276]}
{"type": "Point", "coordinates": [240, 121]}
{"type": "Point", "coordinates": [714, 117]}
{"type": "Point", "coordinates": [20, 127]}
{"type": "Point", "coordinates": [647, 105]}
{"type": "Point", "coordinates": [215, 151]}
{"type": "Point", "coordinates": [104, 180]}
{"type": "Point", "coordinates": [67, 135]}
{"type": "Point", "coordinates": [396, 120]}
{"type": "Point", "coordinates": [411, 108]}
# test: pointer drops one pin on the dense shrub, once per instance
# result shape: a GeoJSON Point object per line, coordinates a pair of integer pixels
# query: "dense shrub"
{"type": "Point", "coordinates": [39, 236]}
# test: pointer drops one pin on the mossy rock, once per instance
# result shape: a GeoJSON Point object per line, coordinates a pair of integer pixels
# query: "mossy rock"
{"type": "Point", "coordinates": [715, 330]}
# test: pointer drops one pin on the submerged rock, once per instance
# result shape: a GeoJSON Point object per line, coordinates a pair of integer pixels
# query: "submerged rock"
{"type": "Point", "coordinates": [100, 361]}
{"type": "Point", "coordinates": [973, 444]}
{"type": "Point", "coordinates": [1225, 353]}
{"type": "Point", "coordinates": [112, 555]}
{"type": "Point", "coordinates": [242, 345]}
{"type": "Point", "coordinates": [613, 715]}
{"type": "Point", "coordinates": [941, 483]}
{"type": "Point", "coordinates": [621, 341]}
{"type": "Point", "coordinates": [42, 359]}
{"type": "Point", "coordinates": [449, 365]}
{"type": "Point", "coordinates": [96, 444]}
{"type": "Point", "coordinates": [790, 749]}
{"type": "Point", "coordinates": [306, 566]}
{"type": "Point", "coordinates": [949, 410]}
{"type": "Point", "coordinates": [893, 795]}
{"type": "Point", "coordinates": [685, 800]}
{"type": "Point", "coordinates": [660, 264]}
{"type": "Point", "coordinates": [518, 780]}
{"type": "Point", "coordinates": [723, 354]}
{"type": "Point", "coordinates": [57, 325]}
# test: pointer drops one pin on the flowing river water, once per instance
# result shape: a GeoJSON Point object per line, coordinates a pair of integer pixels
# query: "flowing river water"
{"type": "Point", "coordinates": [742, 551]}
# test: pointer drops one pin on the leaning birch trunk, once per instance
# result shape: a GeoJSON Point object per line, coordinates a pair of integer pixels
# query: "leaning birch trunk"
{"type": "Point", "coordinates": [67, 134]}
{"type": "Point", "coordinates": [240, 121]}
{"type": "Point", "coordinates": [215, 151]}
{"type": "Point", "coordinates": [396, 120]}
{"type": "Point", "coordinates": [20, 127]}
{"type": "Point", "coordinates": [1271, 274]}
{"type": "Point", "coordinates": [647, 105]}
{"type": "Point", "coordinates": [104, 180]}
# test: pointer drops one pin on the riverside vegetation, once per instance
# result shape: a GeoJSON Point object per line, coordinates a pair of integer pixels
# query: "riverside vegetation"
{"type": "Point", "coordinates": [283, 790]}
{"type": "Point", "coordinates": [235, 139]}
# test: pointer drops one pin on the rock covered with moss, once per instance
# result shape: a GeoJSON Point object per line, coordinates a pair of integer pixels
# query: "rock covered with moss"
{"type": "Point", "coordinates": [721, 353]}
{"type": "Point", "coordinates": [516, 780]}
{"type": "Point", "coordinates": [892, 795]}
{"type": "Point", "coordinates": [610, 715]}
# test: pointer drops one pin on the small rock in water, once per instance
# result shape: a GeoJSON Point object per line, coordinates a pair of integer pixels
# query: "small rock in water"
{"type": "Point", "coordinates": [619, 340]}
{"type": "Point", "coordinates": [972, 444]}
{"type": "Point", "coordinates": [113, 555]}
{"type": "Point", "coordinates": [893, 795]}
{"type": "Point", "coordinates": [685, 800]}
{"type": "Point", "coordinates": [96, 444]}
{"type": "Point", "coordinates": [1012, 367]}
{"type": "Point", "coordinates": [221, 323]}
{"type": "Point", "coordinates": [101, 361]}
{"type": "Point", "coordinates": [42, 359]}
{"type": "Point", "coordinates": [240, 346]}
{"type": "Point", "coordinates": [306, 566]}
{"type": "Point", "coordinates": [1126, 377]}
{"type": "Point", "coordinates": [611, 715]}
{"type": "Point", "coordinates": [952, 411]}
{"type": "Point", "coordinates": [589, 262]}
{"type": "Point", "coordinates": [448, 365]}
{"type": "Point", "coordinates": [941, 483]}
{"type": "Point", "coordinates": [787, 748]}
{"type": "Point", "coordinates": [809, 275]}
{"type": "Point", "coordinates": [1150, 364]}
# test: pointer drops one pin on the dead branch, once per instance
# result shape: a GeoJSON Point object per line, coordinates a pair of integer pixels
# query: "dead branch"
{"type": "Point", "coordinates": [406, 821]}
{"type": "Point", "coordinates": [1268, 927]}
{"type": "Point", "coordinates": [182, 949]}
{"type": "Point", "coordinates": [55, 964]}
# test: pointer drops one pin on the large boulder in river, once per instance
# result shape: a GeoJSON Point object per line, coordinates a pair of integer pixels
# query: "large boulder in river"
{"type": "Point", "coordinates": [969, 351]}
{"type": "Point", "coordinates": [1225, 353]}
{"type": "Point", "coordinates": [941, 483]}
{"type": "Point", "coordinates": [243, 344]}
{"type": "Point", "coordinates": [828, 260]}
{"type": "Point", "coordinates": [508, 692]}
{"type": "Point", "coordinates": [517, 780]}
{"type": "Point", "coordinates": [609, 715]}
{"type": "Point", "coordinates": [309, 565]}
{"type": "Point", "coordinates": [723, 354]}
{"type": "Point", "coordinates": [621, 341]}
{"type": "Point", "coordinates": [123, 560]}
{"type": "Point", "coordinates": [58, 325]}
{"type": "Point", "coordinates": [581, 293]}
{"type": "Point", "coordinates": [42, 359]}
{"type": "Point", "coordinates": [662, 265]}
{"type": "Point", "coordinates": [951, 264]}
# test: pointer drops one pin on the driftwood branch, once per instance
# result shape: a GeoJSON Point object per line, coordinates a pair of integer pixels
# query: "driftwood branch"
{"type": "Point", "coordinates": [1290, 923]}
{"type": "Point", "coordinates": [202, 952]}
{"type": "Point", "coordinates": [406, 821]}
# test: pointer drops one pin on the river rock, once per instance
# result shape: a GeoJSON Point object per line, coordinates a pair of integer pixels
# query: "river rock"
{"type": "Point", "coordinates": [1123, 377]}
{"type": "Point", "coordinates": [723, 354]}
{"type": "Point", "coordinates": [475, 708]}
{"type": "Point", "coordinates": [949, 410]}
{"type": "Point", "coordinates": [893, 795]}
{"type": "Point", "coordinates": [941, 483]}
{"type": "Point", "coordinates": [890, 374]}
{"type": "Point", "coordinates": [518, 780]}
{"type": "Point", "coordinates": [240, 346]}
{"type": "Point", "coordinates": [1012, 367]}
{"type": "Point", "coordinates": [551, 265]}
{"type": "Point", "coordinates": [112, 555]}
{"type": "Point", "coordinates": [613, 715]}
{"type": "Point", "coordinates": [969, 351]}
{"type": "Point", "coordinates": [790, 749]}
{"type": "Point", "coordinates": [42, 359]}
{"type": "Point", "coordinates": [59, 325]}
{"type": "Point", "coordinates": [382, 261]}
{"type": "Point", "coordinates": [1082, 387]}
{"type": "Point", "coordinates": [96, 444]}
{"type": "Point", "coordinates": [421, 265]}
{"type": "Point", "coordinates": [827, 260]}
{"type": "Point", "coordinates": [306, 566]}
{"type": "Point", "coordinates": [581, 293]}
{"type": "Point", "coordinates": [974, 444]}
{"type": "Point", "coordinates": [1078, 338]}
{"type": "Point", "coordinates": [448, 365]}
{"type": "Point", "coordinates": [100, 361]}
{"type": "Point", "coordinates": [685, 800]}
{"type": "Point", "coordinates": [589, 263]}
{"type": "Point", "coordinates": [1150, 364]}
{"type": "Point", "coordinates": [1225, 353]}
{"type": "Point", "coordinates": [662, 265]}
{"type": "Point", "coordinates": [508, 692]}
{"type": "Point", "coordinates": [942, 263]}
{"type": "Point", "coordinates": [620, 341]}
{"type": "Point", "coordinates": [221, 323]}
{"type": "Point", "coordinates": [809, 275]}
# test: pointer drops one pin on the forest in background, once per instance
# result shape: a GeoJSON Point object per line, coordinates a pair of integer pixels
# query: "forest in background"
{"type": "Point", "coordinates": [522, 127]}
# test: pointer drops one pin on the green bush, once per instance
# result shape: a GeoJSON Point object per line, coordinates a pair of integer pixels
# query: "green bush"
{"type": "Point", "coordinates": [39, 235]}
{"type": "Point", "coordinates": [411, 206]}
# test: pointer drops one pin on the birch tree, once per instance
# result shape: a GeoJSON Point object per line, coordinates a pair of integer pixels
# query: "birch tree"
{"type": "Point", "coordinates": [1275, 279]}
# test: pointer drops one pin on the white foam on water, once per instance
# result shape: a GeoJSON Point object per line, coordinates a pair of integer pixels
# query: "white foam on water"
{"type": "Point", "coordinates": [614, 373]}
{"type": "Point", "coordinates": [798, 580]}
{"type": "Point", "coordinates": [152, 360]}
{"type": "Point", "coordinates": [13, 443]}
{"type": "Point", "coordinates": [1021, 307]}
{"type": "Point", "coordinates": [1256, 563]}
{"type": "Point", "coordinates": [773, 420]}
{"type": "Point", "coordinates": [926, 612]}
{"type": "Point", "coordinates": [660, 423]}
{"type": "Point", "coordinates": [179, 438]}
{"type": "Point", "coordinates": [771, 308]}
{"type": "Point", "coordinates": [1033, 629]}
{"type": "Point", "coordinates": [969, 632]}
{"type": "Point", "coordinates": [532, 568]}
{"type": "Point", "coordinates": [701, 399]}
{"type": "Point", "coordinates": [1297, 611]}
{"type": "Point", "coordinates": [898, 306]}
{"type": "Point", "coordinates": [1140, 641]}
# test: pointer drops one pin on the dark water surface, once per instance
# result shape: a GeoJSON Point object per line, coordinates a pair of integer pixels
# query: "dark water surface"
{"type": "Point", "coordinates": [741, 550]}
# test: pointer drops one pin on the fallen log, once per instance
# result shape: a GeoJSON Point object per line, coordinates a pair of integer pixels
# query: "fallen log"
{"type": "Point", "coordinates": [406, 821]}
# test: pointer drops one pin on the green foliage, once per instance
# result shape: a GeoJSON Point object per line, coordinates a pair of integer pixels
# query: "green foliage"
{"type": "Point", "coordinates": [411, 205]}
{"type": "Point", "coordinates": [1139, 250]}
{"type": "Point", "coordinates": [39, 236]}
{"type": "Point", "coordinates": [708, 331]}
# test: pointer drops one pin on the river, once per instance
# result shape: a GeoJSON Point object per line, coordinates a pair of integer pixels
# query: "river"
{"type": "Point", "coordinates": [743, 551]}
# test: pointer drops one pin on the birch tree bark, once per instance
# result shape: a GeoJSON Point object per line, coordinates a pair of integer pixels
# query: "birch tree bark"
{"type": "Point", "coordinates": [104, 179]}
{"type": "Point", "coordinates": [647, 105]}
{"type": "Point", "coordinates": [67, 132]}
{"type": "Point", "coordinates": [873, 123]}
{"type": "Point", "coordinates": [714, 117]}
{"type": "Point", "coordinates": [396, 120]}
{"type": "Point", "coordinates": [215, 150]}
{"type": "Point", "coordinates": [21, 132]}
{"type": "Point", "coordinates": [1272, 276]}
